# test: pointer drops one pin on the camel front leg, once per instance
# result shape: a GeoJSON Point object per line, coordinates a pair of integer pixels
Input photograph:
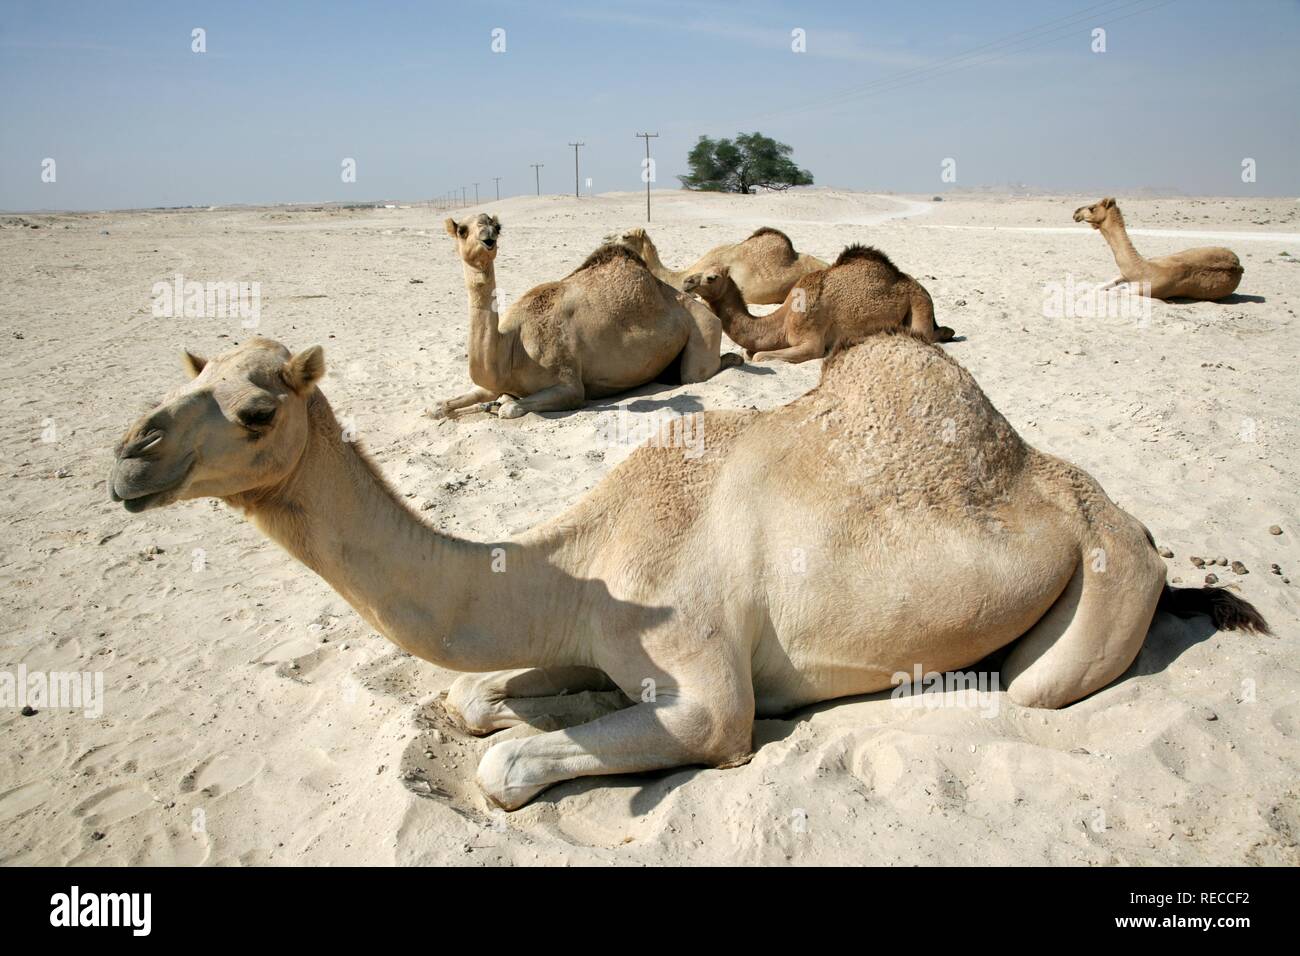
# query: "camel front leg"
{"type": "Point", "coordinates": [650, 736]}
{"type": "Point", "coordinates": [700, 356]}
{"type": "Point", "coordinates": [803, 352]}
{"type": "Point", "coordinates": [475, 396]}
{"type": "Point", "coordinates": [556, 398]}
{"type": "Point", "coordinates": [485, 703]}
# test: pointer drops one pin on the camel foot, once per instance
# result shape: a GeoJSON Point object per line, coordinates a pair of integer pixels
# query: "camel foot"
{"type": "Point", "coordinates": [438, 411]}
{"type": "Point", "coordinates": [509, 408]}
{"type": "Point", "coordinates": [502, 778]}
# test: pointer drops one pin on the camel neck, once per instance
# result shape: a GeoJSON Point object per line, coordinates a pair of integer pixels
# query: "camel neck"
{"type": "Point", "coordinates": [488, 354]}
{"type": "Point", "coordinates": [755, 333]}
{"type": "Point", "coordinates": [446, 600]}
{"type": "Point", "coordinates": [1126, 256]}
{"type": "Point", "coordinates": [660, 271]}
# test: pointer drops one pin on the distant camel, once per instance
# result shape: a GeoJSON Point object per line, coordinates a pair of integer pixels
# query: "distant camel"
{"type": "Point", "coordinates": [861, 293]}
{"type": "Point", "coordinates": [888, 522]}
{"type": "Point", "coordinates": [764, 267]}
{"type": "Point", "coordinates": [607, 327]}
{"type": "Point", "coordinates": [1205, 273]}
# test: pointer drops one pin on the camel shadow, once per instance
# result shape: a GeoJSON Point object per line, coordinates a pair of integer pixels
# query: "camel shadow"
{"type": "Point", "coordinates": [1235, 299]}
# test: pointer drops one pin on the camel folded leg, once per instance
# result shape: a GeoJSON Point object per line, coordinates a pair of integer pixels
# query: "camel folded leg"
{"type": "Point", "coordinates": [556, 398]}
{"type": "Point", "coordinates": [475, 396]}
{"type": "Point", "coordinates": [1094, 630]}
{"type": "Point", "coordinates": [802, 352]}
{"type": "Point", "coordinates": [700, 356]}
{"type": "Point", "coordinates": [649, 736]}
{"type": "Point", "coordinates": [485, 703]}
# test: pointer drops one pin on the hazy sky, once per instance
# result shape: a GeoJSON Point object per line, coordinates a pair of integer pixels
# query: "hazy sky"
{"type": "Point", "coordinates": [413, 91]}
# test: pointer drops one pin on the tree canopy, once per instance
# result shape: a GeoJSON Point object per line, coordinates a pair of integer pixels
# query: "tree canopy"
{"type": "Point", "coordinates": [752, 159]}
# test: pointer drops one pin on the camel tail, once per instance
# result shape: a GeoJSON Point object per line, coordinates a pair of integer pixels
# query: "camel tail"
{"type": "Point", "coordinates": [1225, 609]}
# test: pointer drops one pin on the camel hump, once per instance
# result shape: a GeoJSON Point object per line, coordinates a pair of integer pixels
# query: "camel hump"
{"type": "Point", "coordinates": [861, 253]}
{"type": "Point", "coordinates": [784, 248]}
{"type": "Point", "coordinates": [608, 253]}
{"type": "Point", "coordinates": [1225, 609]}
{"type": "Point", "coordinates": [769, 231]}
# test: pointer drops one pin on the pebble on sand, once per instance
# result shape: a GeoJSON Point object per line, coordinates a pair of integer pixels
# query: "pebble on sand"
{"type": "Point", "coordinates": [1165, 553]}
{"type": "Point", "coordinates": [1274, 529]}
{"type": "Point", "coordinates": [1211, 579]}
{"type": "Point", "coordinates": [1199, 562]}
{"type": "Point", "coordinates": [1239, 568]}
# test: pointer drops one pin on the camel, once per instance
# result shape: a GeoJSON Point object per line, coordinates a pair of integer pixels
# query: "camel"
{"type": "Point", "coordinates": [888, 519]}
{"type": "Point", "coordinates": [764, 267]}
{"type": "Point", "coordinates": [1206, 273]}
{"type": "Point", "coordinates": [607, 327]}
{"type": "Point", "coordinates": [863, 291]}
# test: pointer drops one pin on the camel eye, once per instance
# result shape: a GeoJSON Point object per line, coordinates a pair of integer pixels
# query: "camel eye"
{"type": "Point", "coordinates": [259, 416]}
{"type": "Point", "coordinates": [462, 232]}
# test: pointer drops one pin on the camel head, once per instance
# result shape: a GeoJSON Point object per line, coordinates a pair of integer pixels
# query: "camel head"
{"type": "Point", "coordinates": [1097, 213]}
{"type": "Point", "coordinates": [476, 239]}
{"type": "Point", "coordinates": [708, 285]}
{"type": "Point", "coordinates": [634, 239]}
{"type": "Point", "coordinates": [239, 425]}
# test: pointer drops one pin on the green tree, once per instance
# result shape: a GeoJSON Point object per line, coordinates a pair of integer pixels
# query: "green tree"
{"type": "Point", "coordinates": [724, 166]}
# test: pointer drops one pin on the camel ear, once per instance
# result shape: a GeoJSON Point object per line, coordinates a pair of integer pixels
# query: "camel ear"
{"type": "Point", "coordinates": [1107, 202]}
{"type": "Point", "coordinates": [304, 370]}
{"type": "Point", "coordinates": [723, 271]}
{"type": "Point", "coordinates": [192, 363]}
{"type": "Point", "coordinates": [450, 226]}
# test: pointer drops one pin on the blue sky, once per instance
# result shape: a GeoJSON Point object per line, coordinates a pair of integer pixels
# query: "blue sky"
{"type": "Point", "coordinates": [412, 90]}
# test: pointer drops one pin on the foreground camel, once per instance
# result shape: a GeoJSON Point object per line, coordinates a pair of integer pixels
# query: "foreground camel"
{"type": "Point", "coordinates": [888, 519]}
{"type": "Point", "coordinates": [764, 267]}
{"type": "Point", "coordinates": [861, 293]}
{"type": "Point", "coordinates": [1205, 273]}
{"type": "Point", "coordinates": [607, 327]}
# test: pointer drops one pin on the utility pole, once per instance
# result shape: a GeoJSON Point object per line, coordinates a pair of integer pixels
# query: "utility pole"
{"type": "Point", "coordinates": [575, 168]}
{"type": "Point", "coordinates": [476, 194]}
{"type": "Point", "coordinates": [645, 173]}
{"type": "Point", "coordinates": [463, 201]}
{"type": "Point", "coordinates": [537, 172]}
{"type": "Point", "coordinates": [497, 180]}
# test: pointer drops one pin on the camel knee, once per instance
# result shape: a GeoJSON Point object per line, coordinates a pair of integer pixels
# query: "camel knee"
{"type": "Point", "coordinates": [469, 701]}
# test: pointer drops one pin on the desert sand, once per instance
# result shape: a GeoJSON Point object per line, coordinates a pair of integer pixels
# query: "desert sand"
{"type": "Point", "coordinates": [249, 716]}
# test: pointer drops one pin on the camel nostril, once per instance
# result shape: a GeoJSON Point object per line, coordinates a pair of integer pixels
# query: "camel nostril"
{"type": "Point", "coordinates": [142, 444]}
{"type": "Point", "coordinates": [489, 243]}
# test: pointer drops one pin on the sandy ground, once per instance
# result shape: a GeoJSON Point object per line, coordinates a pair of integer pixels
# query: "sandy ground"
{"type": "Point", "coordinates": [251, 717]}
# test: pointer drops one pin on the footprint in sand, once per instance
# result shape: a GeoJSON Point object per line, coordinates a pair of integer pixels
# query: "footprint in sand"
{"type": "Point", "coordinates": [221, 774]}
{"type": "Point", "coordinates": [20, 799]}
{"type": "Point", "coordinates": [114, 804]}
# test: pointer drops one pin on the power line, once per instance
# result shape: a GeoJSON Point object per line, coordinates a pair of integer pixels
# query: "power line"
{"type": "Point", "coordinates": [645, 173]}
{"type": "Point", "coordinates": [575, 168]}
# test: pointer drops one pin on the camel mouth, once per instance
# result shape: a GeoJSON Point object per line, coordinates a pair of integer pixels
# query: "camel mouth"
{"type": "Point", "coordinates": [136, 501]}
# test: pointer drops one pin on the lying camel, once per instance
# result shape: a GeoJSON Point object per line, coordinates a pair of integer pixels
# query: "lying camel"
{"type": "Point", "coordinates": [1205, 273]}
{"type": "Point", "coordinates": [861, 293]}
{"type": "Point", "coordinates": [764, 267]}
{"type": "Point", "coordinates": [794, 561]}
{"type": "Point", "coordinates": [606, 327]}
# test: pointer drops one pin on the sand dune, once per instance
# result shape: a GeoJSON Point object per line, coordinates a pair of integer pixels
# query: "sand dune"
{"type": "Point", "coordinates": [249, 716]}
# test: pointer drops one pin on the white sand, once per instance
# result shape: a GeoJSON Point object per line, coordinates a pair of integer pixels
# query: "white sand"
{"type": "Point", "coordinates": [232, 733]}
